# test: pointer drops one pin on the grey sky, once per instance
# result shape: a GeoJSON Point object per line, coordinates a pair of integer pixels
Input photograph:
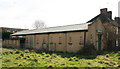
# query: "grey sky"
{"type": "Point", "coordinates": [23, 13]}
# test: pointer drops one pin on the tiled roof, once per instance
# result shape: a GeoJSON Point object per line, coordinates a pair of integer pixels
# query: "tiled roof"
{"type": "Point", "coordinates": [102, 17]}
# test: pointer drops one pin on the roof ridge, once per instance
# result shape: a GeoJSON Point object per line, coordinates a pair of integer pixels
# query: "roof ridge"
{"type": "Point", "coordinates": [60, 26]}
{"type": "Point", "coordinates": [82, 26]}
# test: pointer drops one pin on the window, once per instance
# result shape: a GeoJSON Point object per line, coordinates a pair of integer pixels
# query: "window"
{"type": "Point", "coordinates": [37, 41]}
{"type": "Point", "coordinates": [117, 30]}
{"type": "Point", "coordinates": [81, 40]}
{"type": "Point", "coordinates": [91, 37]}
{"type": "Point", "coordinates": [60, 38]}
{"type": "Point", "coordinates": [70, 41]}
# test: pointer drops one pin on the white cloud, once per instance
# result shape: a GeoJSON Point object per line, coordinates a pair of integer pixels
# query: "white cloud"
{"type": "Point", "coordinates": [23, 13]}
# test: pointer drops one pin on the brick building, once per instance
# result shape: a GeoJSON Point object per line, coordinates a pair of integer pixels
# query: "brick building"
{"type": "Point", "coordinates": [13, 30]}
{"type": "Point", "coordinates": [72, 38]}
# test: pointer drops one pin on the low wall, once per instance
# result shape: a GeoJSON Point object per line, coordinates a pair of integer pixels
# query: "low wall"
{"type": "Point", "coordinates": [11, 43]}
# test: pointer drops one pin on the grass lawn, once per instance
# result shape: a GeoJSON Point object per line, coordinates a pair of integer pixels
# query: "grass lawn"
{"type": "Point", "coordinates": [26, 58]}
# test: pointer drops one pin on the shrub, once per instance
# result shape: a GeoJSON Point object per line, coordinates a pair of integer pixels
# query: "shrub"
{"type": "Point", "coordinates": [42, 50]}
{"type": "Point", "coordinates": [28, 56]}
{"type": "Point", "coordinates": [35, 60]}
{"type": "Point", "coordinates": [11, 52]}
{"type": "Point", "coordinates": [6, 52]}
{"type": "Point", "coordinates": [32, 51]}
{"type": "Point", "coordinates": [7, 60]}
{"type": "Point", "coordinates": [25, 58]}
{"type": "Point", "coordinates": [20, 65]}
{"type": "Point", "coordinates": [88, 50]}
{"type": "Point", "coordinates": [22, 54]}
{"type": "Point", "coordinates": [17, 52]}
{"type": "Point", "coordinates": [26, 51]}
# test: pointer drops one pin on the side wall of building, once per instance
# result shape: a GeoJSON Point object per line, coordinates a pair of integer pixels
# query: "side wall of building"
{"type": "Point", "coordinates": [30, 41]}
{"type": "Point", "coordinates": [108, 37]}
{"type": "Point", "coordinates": [41, 41]}
{"type": "Point", "coordinates": [57, 42]}
{"type": "Point", "coordinates": [65, 42]}
{"type": "Point", "coordinates": [75, 41]}
{"type": "Point", "coordinates": [92, 34]}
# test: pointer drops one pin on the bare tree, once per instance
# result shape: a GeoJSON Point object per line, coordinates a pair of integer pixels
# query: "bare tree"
{"type": "Point", "coordinates": [39, 24]}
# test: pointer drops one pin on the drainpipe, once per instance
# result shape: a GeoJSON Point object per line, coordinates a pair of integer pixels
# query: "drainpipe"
{"type": "Point", "coordinates": [117, 37]}
{"type": "Point", "coordinates": [84, 38]}
{"type": "Point", "coordinates": [48, 42]}
{"type": "Point", "coordinates": [66, 40]}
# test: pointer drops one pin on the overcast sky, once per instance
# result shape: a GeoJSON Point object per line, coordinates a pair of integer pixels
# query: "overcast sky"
{"type": "Point", "coordinates": [23, 13]}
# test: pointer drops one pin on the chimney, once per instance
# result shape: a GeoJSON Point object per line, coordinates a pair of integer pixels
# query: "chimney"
{"type": "Point", "coordinates": [109, 13]}
{"type": "Point", "coordinates": [103, 11]}
{"type": "Point", "coordinates": [117, 19]}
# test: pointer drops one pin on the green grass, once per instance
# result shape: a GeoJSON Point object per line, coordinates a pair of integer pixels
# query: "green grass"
{"type": "Point", "coordinates": [15, 58]}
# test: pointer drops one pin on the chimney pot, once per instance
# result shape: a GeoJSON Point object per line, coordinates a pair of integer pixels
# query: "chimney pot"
{"type": "Point", "coordinates": [103, 11]}
{"type": "Point", "coordinates": [110, 14]}
{"type": "Point", "coordinates": [117, 19]}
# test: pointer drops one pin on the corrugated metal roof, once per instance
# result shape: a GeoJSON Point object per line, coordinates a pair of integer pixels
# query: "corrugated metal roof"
{"type": "Point", "coordinates": [74, 27]}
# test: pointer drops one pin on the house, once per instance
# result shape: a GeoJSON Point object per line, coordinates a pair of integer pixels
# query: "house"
{"type": "Point", "coordinates": [7, 31]}
{"type": "Point", "coordinates": [13, 30]}
{"type": "Point", "coordinates": [72, 38]}
{"type": "Point", "coordinates": [102, 32]}
{"type": "Point", "coordinates": [117, 20]}
{"type": "Point", "coordinates": [5, 35]}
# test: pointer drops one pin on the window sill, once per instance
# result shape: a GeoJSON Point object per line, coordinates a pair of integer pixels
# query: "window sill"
{"type": "Point", "coordinates": [59, 43]}
{"type": "Point", "coordinates": [70, 43]}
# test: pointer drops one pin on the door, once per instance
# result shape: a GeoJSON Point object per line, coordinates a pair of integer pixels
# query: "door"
{"type": "Point", "coordinates": [99, 33]}
{"type": "Point", "coordinates": [22, 43]}
{"type": "Point", "coordinates": [31, 42]}
{"type": "Point", "coordinates": [99, 43]}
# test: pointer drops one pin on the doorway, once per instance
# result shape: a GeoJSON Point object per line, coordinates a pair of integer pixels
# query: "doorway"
{"type": "Point", "coordinates": [22, 43]}
{"type": "Point", "coordinates": [99, 34]}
